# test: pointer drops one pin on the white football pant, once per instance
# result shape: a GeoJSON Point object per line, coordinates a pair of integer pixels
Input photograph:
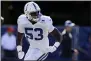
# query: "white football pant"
{"type": "Point", "coordinates": [35, 54]}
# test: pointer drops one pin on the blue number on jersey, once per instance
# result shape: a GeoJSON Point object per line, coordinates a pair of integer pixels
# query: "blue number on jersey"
{"type": "Point", "coordinates": [30, 35]}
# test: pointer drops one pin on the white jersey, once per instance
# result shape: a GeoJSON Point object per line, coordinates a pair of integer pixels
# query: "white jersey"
{"type": "Point", "coordinates": [36, 34]}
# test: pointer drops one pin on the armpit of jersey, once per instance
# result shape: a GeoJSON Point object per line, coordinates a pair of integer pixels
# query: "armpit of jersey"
{"type": "Point", "coordinates": [48, 21]}
{"type": "Point", "coordinates": [21, 21]}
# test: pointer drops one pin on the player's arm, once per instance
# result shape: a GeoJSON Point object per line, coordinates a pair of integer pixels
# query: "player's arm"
{"type": "Point", "coordinates": [57, 35]}
{"type": "Point", "coordinates": [19, 45]}
{"type": "Point", "coordinates": [58, 38]}
{"type": "Point", "coordinates": [19, 41]}
{"type": "Point", "coordinates": [19, 38]}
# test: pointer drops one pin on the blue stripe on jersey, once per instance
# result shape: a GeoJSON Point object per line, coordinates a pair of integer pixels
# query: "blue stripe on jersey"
{"type": "Point", "coordinates": [43, 57]}
{"type": "Point", "coordinates": [40, 57]}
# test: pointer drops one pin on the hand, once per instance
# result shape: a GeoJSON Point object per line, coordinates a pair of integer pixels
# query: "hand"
{"type": "Point", "coordinates": [75, 55]}
{"type": "Point", "coordinates": [20, 52]}
{"type": "Point", "coordinates": [54, 47]}
{"type": "Point", "coordinates": [76, 51]}
{"type": "Point", "coordinates": [51, 49]}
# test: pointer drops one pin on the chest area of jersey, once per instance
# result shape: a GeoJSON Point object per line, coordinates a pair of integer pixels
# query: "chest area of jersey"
{"type": "Point", "coordinates": [36, 31]}
{"type": "Point", "coordinates": [35, 26]}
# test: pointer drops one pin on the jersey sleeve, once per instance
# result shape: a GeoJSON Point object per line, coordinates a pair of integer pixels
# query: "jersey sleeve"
{"type": "Point", "coordinates": [50, 25]}
{"type": "Point", "coordinates": [20, 26]}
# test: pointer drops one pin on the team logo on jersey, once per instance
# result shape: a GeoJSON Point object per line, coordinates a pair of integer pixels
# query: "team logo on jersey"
{"type": "Point", "coordinates": [43, 21]}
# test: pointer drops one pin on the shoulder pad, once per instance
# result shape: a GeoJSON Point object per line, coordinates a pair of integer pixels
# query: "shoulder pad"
{"type": "Point", "coordinates": [22, 16]}
{"type": "Point", "coordinates": [46, 19]}
{"type": "Point", "coordinates": [21, 19]}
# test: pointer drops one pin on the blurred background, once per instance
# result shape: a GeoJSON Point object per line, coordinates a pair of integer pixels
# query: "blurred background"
{"type": "Point", "coordinates": [78, 12]}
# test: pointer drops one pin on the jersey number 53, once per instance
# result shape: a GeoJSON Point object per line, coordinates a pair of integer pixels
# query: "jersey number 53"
{"type": "Point", "coordinates": [31, 32]}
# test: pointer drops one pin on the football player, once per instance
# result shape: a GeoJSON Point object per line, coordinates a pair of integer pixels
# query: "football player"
{"type": "Point", "coordinates": [36, 28]}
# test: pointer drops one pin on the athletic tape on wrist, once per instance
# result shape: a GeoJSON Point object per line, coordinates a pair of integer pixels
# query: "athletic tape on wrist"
{"type": "Point", "coordinates": [56, 44]}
